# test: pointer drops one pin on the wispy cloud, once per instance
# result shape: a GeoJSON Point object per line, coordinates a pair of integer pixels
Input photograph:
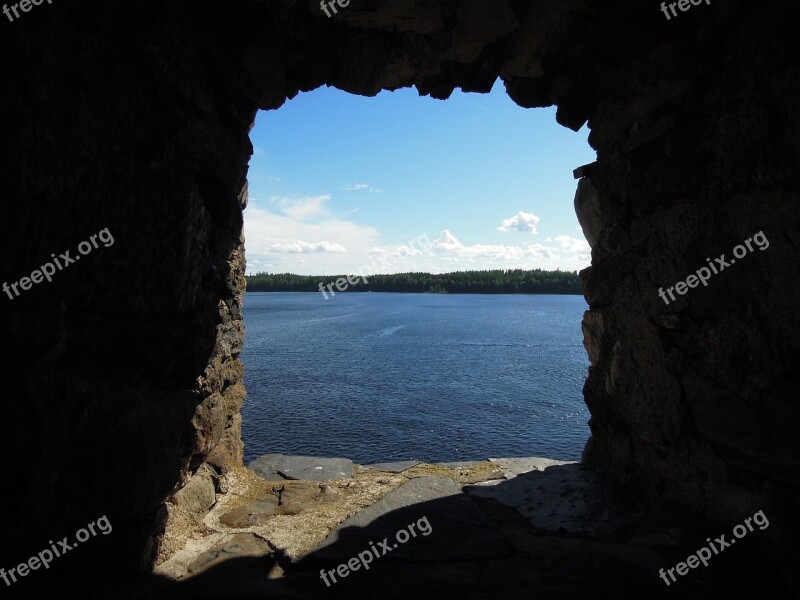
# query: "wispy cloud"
{"type": "Point", "coordinates": [448, 243]}
{"type": "Point", "coordinates": [301, 247]}
{"type": "Point", "coordinates": [522, 221]}
{"type": "Point", "coordinates": [406, 251]}
{"type": "Point", "coordinates": [282, 230]}
{"type": "Point", "coordinates": [568, 253]}
{"type": "Point", "coordinates": [572, 244]}
{"type": "Point", "coordinates": [304, 235]}
{"type": "Point", "coordinates": [358, 187]}
{"type": "Point", "coordinates": [304, 209]}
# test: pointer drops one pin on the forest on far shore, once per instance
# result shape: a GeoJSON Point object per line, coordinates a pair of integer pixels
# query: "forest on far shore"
{"type": "Point", "coordinates": [511, 281]}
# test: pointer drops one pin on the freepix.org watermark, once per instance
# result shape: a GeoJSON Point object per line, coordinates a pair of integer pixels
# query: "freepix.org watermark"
{"type": "Point", "coordinates": [48, 269]}
{"type": "Point", "coordinates": [714, 268]}
{"type": "Point", "coordinates": [342, 284]}
{"type": "Point", "coordinates": [684, 5]}
{"type": "Point", "coordinates": [367, 556]}
{"type": "Point", "coordinates": [325, 5]}
{"type": "Point", "coordinates": [46, 556]}
{"type": "Point", "coordinates": [24, 6]}
{"type": "Point", "coordinates": [704, 554]}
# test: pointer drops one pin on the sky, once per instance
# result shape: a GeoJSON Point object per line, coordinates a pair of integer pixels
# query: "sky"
{"type": "Point", "coordinates": [343, 184]}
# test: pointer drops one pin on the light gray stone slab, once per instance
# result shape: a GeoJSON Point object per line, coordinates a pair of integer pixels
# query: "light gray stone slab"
{"type": "Point", "coordinates": [458, 530]}
{"type": "Point", "coordinates": [267, 466]}
{"type": "Point", "coordinates": [394, 467]}
{"type": "Point", "coordinates": [512, 467]}
{"type": "Point", "coordinates": [279, 467]}
{"type": "Point", "coordinates": [312, 468]}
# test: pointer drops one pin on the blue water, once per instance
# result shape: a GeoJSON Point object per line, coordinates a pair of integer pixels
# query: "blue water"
{"type": "Point", "coordinates": [376, 377]}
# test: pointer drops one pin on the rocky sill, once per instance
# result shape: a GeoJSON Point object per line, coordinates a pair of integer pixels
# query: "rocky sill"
{"type": "Point", "coordinates": [291, 517]}
{"type": "Point", "coordinates": [495, 528]}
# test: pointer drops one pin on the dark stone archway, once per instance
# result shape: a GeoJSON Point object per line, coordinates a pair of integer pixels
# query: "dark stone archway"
{"type": "Point", "coordinates": [122, 375]}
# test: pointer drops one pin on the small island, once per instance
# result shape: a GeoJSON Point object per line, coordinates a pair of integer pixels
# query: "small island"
{"type": "Point", "coordinates": [511, 281]}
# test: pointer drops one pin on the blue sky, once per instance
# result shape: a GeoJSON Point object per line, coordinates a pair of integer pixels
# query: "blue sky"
{"type": "Point", "coordinates": [342, 183]}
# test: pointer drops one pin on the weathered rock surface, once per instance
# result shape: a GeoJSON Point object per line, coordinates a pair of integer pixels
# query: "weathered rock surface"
{"type": "Point", "coordinates": [613, 542]}
{"type": "Point", "coordinates": [279, 467]}
{"type": "Point", "coordinates": [442, 509]}
{"type": "Point", "coordinates": [199, 494]}
{"type": "Point", "coordinates": [240, 545]}
{"type": "Point", "coordinates": [394, 467]}
{"type": "Point", "coordinates": [564, 498]}
{"type": "Point", "coordinates": [512, 467]}
{"type": "Point", "coordinates": [257, 512]}
{"type": "Point", "coordinates": [458, 464]}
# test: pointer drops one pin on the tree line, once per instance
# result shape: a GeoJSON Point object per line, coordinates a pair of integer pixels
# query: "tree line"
{"type": "Point", "coordinates": [510, 281]}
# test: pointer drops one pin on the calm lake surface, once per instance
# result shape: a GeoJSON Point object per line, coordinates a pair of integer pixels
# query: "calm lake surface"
{"type": "Point", "coordinates": [433, 377]}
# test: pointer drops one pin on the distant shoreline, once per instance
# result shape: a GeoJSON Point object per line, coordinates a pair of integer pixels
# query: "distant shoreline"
{"type": "Point", "coordinates": [510, 281]}
{"type": "Point", "coordinates": [426, 293]}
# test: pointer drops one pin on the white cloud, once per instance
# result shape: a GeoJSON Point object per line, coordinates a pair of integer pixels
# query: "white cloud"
{"type": "Point", "coordinates": [572, 244]}
{"type": "Point", "coordinates": [540, 251]}
{"type": "Point", "coordinates": [564, 253]}
{"type": "Point", "coordinates": [522, 221]}
{"type": "Point", "coordinates": [303, 235]}
{"type": "Point", "coordinates": [304, 209]}
{"type": "Point", "coordinates": [448, 243]}
{"type": "Point", "coordinates": [283, 232]}
{"type": "Point", "coordinates": [357, 187]}
{"type": "Point", "coordinates": [406, 251]}
{"type": "Point", "coordinates": [301, 247]}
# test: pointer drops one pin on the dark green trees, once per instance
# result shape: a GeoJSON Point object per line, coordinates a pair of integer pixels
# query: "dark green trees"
{"type": "Point", "coordinates": [512, 281]}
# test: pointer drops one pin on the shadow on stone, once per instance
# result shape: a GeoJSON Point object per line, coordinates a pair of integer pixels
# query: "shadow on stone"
{"type": "Point", "coordinates": [559, 533]}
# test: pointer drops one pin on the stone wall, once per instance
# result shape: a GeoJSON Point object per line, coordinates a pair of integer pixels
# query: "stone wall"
{"type": "Point", "coordinates": [695, 399]}
{"type": "Point", "coordinates": [123, 375]}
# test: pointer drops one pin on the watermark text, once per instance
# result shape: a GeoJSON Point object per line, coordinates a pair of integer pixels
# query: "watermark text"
{"type": "Point", "coordinates": [382, 549]}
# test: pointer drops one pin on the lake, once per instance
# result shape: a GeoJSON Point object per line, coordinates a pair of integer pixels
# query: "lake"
{"type": "Point", "coordinates": [433, 377]}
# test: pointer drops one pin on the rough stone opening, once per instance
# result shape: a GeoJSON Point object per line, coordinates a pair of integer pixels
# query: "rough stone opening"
{"type": "Point", "coordinates": [549, 406]}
